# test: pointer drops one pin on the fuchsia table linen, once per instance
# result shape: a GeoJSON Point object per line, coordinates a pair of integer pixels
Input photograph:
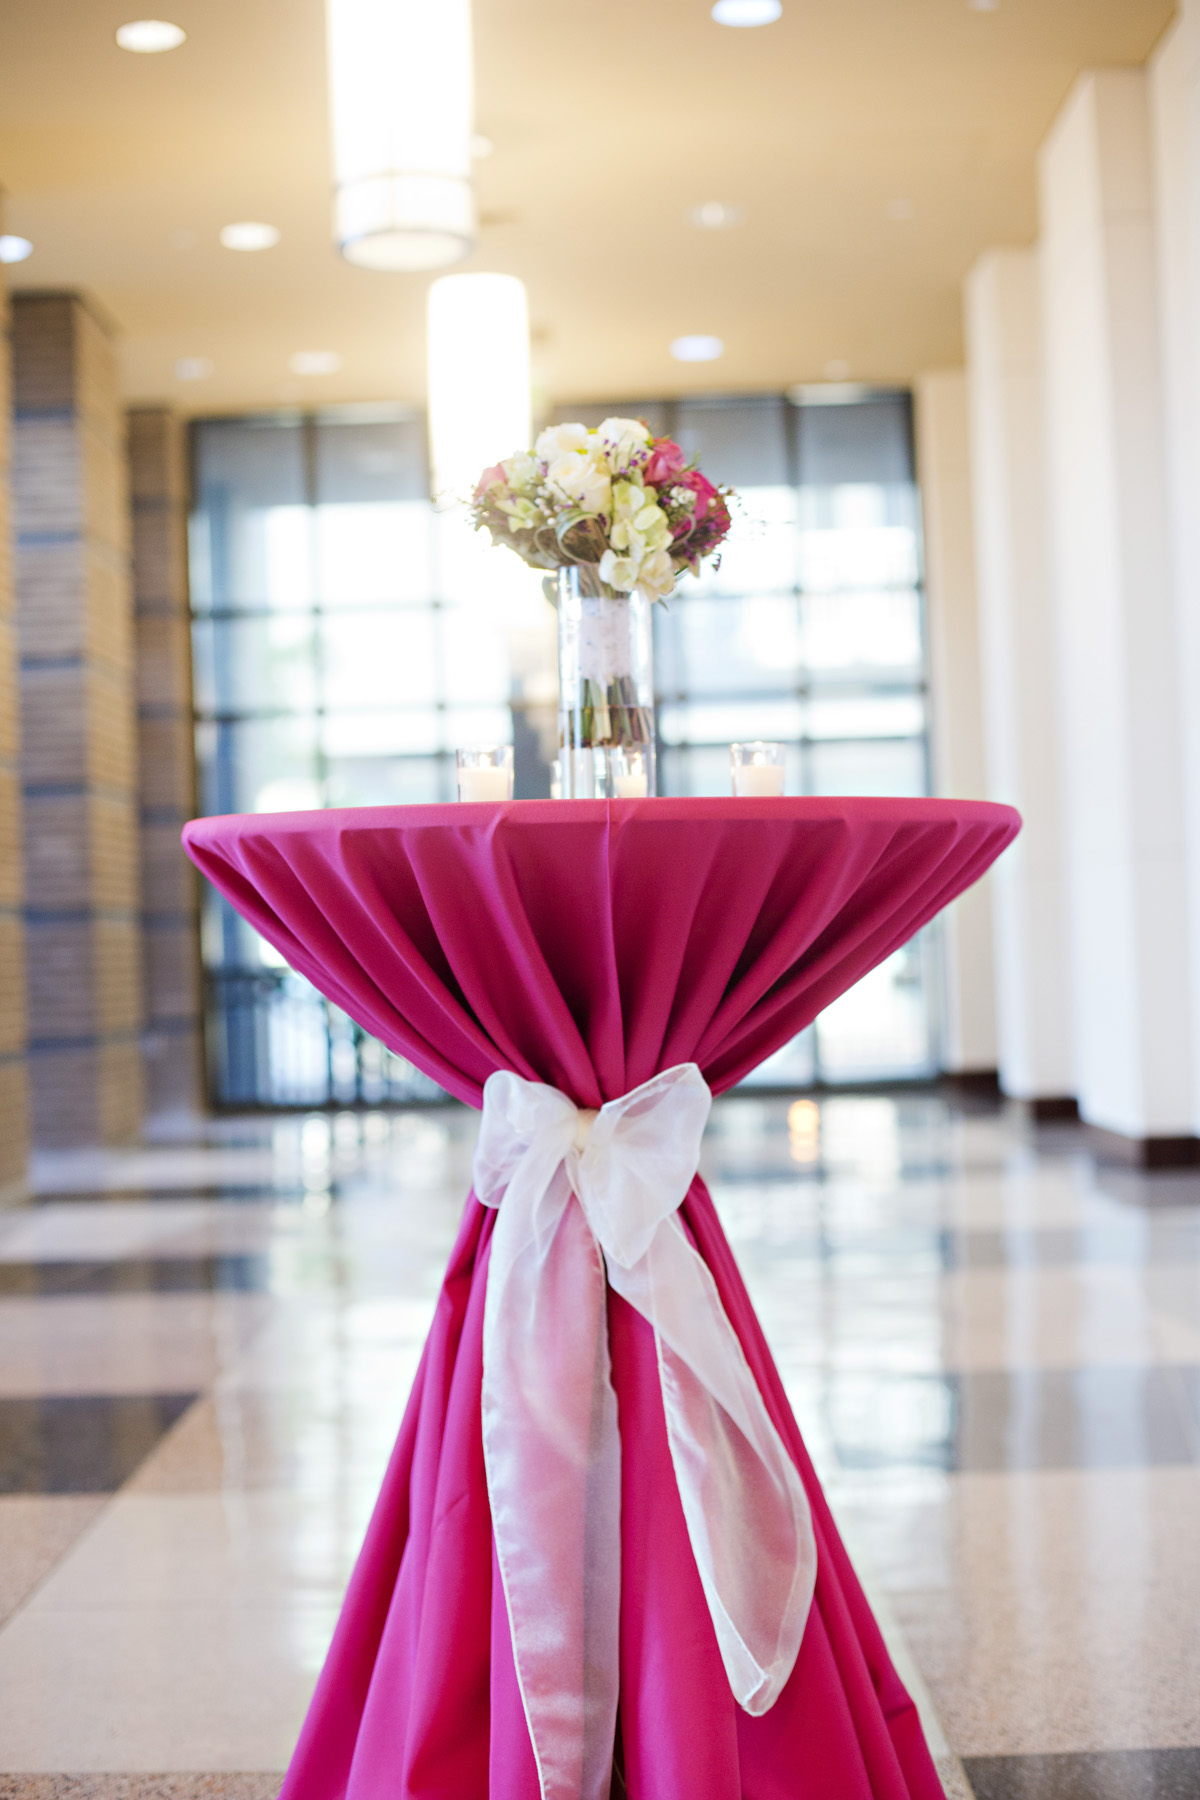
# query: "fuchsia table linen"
{"type": "Point", "coordinates": [590, 945]}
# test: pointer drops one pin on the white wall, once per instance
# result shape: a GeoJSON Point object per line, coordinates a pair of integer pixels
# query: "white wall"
{"type": "Point", "coordinates": [1175, 107]}
{"type": "Point", "coordinates": [1123, 820]}
{"type": "Point", "coordinates": [1019, 676]}
{"type": "Point", "coordinates": [943, 468]}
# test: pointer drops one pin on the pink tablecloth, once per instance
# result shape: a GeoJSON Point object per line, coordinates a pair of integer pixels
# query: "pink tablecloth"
{"type": "Point", "coordinates": [590, 945]}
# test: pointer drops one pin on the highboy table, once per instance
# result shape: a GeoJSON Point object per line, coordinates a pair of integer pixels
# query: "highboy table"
{"type": "Point", "coordinates": [614, 952]}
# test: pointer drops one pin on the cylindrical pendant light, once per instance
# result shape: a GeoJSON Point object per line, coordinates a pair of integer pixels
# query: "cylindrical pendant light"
{"type": "Point", "coordinates": [479, 406]}
{"type": "Point", "coordinates": [401, 99]}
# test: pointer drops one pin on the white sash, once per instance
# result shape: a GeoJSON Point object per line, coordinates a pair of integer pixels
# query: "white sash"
{"type": "Point", "coordinates": [550, 1438]}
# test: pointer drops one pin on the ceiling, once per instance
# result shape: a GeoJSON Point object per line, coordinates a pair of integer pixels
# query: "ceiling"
{"type": "Point", "coordinates": [875, 147]}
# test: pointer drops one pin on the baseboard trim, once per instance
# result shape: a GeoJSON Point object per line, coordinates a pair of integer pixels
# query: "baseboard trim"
{"type": "Point", "coordinates": [1142, 1152]}
{"type": "Point", "coordinates": [1052, 1109]}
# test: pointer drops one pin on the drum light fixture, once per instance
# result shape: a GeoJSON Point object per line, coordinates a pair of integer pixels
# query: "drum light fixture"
{"type": "Point", "coordinates": [401, 100]}
{"type": "Point", "coordinates": [479, 406]}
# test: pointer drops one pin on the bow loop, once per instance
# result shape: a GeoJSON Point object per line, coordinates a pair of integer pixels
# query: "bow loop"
{"type": "Point", "coordinates": [641, 1158]}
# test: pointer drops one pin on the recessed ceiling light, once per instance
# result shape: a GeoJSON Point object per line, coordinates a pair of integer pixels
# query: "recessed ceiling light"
{"type": "Point", "coordinates": [715, 215]}
{"type": "Point", "coordinates": [149, 37]}
{"type": "Point", "coordinates": [315, 362]}
{"type": "Point", "coordinates": [14, 249]}
{"type": "Point", "coordinates": [899, 210]}
{"type": "Point", "coordinates": [193, 368]}
{"type": "Point", "coordinates": [249, 235]}
{"type": "Point", "coordinates": [746, 12]}
{"type": "Point", "coordinates": [983, 5]}
{"type": "Point", "coordinates": [481, 146]}
{"type": "Point", "coordinates": [698, 348]}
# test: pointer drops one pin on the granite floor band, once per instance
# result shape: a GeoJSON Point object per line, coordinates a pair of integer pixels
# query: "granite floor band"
{"type": "Point", "coordinates": [239, 1274]}
{"type": "Point", "coordinates": [139, 1787]}
{"type": "Point", "coordinates": [248, 1190]}
{"type": "Point", "coordinates": [1088, 1775]}
{"type": "Point", "coordinates": [81, 1443]}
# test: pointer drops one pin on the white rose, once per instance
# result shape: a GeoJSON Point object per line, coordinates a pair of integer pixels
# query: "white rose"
{"type": "Point", "coordinates": [584, 480]}
{"type": "Point", "coordinates": [625, 442]}
{"type": "Point", "coordinates": [620, 572]}
{"type": "Point", "coordinates": [656, 575]}
{"type": "Point", "coordinates": [562, 440]}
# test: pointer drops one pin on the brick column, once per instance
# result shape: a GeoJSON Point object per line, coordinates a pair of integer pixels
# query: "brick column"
{"type": "Point", "coordinates": [166, 763]}
{"type": "Point", "coordinates": [14, 1096]}
{"type": "Point", "coordinates": [77, 701]}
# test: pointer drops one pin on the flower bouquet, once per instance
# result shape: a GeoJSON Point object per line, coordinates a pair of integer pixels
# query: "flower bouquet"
{"type": "Point", "coordinates": [618, 515]}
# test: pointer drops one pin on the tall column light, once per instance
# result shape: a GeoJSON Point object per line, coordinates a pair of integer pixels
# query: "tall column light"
{"type": "Point", "coordinates": [401, 102]}
{"type": "Point", "coordinates": [478, 347]}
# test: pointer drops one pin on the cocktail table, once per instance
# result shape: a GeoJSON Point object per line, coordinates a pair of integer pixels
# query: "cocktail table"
{"type": "Point", "coordinates": [589, 947]}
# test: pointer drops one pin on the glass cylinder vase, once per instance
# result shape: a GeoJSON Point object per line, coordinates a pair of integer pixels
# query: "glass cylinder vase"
{"type": "Point", "coordinates": [605, 689]}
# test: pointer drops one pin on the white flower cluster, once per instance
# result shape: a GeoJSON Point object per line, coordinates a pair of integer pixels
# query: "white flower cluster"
{"type": "Point", "coordinates": [600, 472]}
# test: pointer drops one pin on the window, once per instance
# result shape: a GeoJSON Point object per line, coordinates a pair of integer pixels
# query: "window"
{"type": "Point", "coordinates": [346, 640]}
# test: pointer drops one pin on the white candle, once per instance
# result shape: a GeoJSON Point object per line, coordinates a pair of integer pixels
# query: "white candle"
{"type": "Point", "coordinates": [631, 787]}
{"type": "Point", "coordinates": [484, 784]}
{"type": "Point", "coordinates": [758, 778]}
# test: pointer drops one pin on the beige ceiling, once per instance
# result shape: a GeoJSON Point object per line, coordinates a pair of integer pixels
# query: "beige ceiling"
{"type": "Point", "coordinates": [611, 119]}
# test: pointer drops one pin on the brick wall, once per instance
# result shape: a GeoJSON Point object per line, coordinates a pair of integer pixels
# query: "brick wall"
{"type": "Point", "coordinates": [170, 915]}
{"type": "Point", "coordinates": [14, 1097]}
{"type": "Point", "coordinates": [79, 737]}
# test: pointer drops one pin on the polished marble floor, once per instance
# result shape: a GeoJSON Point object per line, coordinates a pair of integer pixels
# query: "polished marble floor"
{"type": "Point", "coordinates": [992, 1345]}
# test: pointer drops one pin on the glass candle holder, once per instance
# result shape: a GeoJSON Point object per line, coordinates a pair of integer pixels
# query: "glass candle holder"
{"type": "Point", "coordinates": [756, 769]}
{"type": "Point", "coordinates": [485, 774]}
{"type": "Point", "coordinates": [630, 773]}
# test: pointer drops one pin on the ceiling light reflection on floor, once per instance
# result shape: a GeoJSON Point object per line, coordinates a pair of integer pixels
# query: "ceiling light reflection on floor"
{"type": "Point", "coordinates": [14, 249]}
{"type": "Point", "coordinates": [249, 234]}
{"type": "Point", "coordinates": [697, 348]}
{"type": "Point", "coordinates": [150, 37]}
{"type": "Point", "coordinates": [745, 13]}
{"type": "Point", "coordinates": [315, 362]}
{"type": "Point", "coordinates": [193, 368]}
{"type": "Point", "coordinates": [804, 1131]}
{"type": "Point", "coordinates": [716, 215]}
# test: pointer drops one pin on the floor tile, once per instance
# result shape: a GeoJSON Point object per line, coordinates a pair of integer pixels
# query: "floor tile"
{"type": "Point", "coordinates": [1006, 1318]}
{"type": "Point", "coordinates": [80, 1443]}
{"type": "Point", "coordinates": [124, 1344]}
{"type": "Point", "coordinates": [36, 1531]}
{"type": "Point", "coordinates": [206, 1688]}
{"type": "Point", "coordinates": [285, 1439]}
{"type": "Point", "coordinates": [168, 1553]}
{"type": "Point", "coordinates": [1108, 1775]}
{"type": "Point", "coordinates": [1060, 1608]}
{"type": "Point", "coordinates": [1108, 1418]}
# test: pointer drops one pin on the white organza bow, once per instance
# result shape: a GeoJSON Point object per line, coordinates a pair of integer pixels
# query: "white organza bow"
{"type": "Point", "coordinates": [550, 1438]}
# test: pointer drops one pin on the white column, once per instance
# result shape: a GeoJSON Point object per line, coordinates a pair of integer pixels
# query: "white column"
{"type": "Point", "coordinates": [1122, 788]}
{"type": "Point", "coordinates": [1175, 104]}
{"type": "Point", "coordinates": [1019, 682]}
{"type": "Point", "coordinates": [943, 469]}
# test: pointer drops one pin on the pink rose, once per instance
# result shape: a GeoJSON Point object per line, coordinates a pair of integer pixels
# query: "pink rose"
{"type": "Point", "coordinates": [493, 477]}
{"type": "Point", "coordinates": [706, 494]}
{"type": "Point", "coordinates": [666, 462]}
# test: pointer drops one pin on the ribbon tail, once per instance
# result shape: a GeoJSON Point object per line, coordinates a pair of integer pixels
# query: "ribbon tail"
{"type": "Point", "coordinates": [745, 1507]}
{"type": "Point", "coordinates": [553, 1459]}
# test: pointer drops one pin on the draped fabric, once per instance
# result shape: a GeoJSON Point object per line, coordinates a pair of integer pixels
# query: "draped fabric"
{"type": "Point", "coordinates": [591, 945]}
